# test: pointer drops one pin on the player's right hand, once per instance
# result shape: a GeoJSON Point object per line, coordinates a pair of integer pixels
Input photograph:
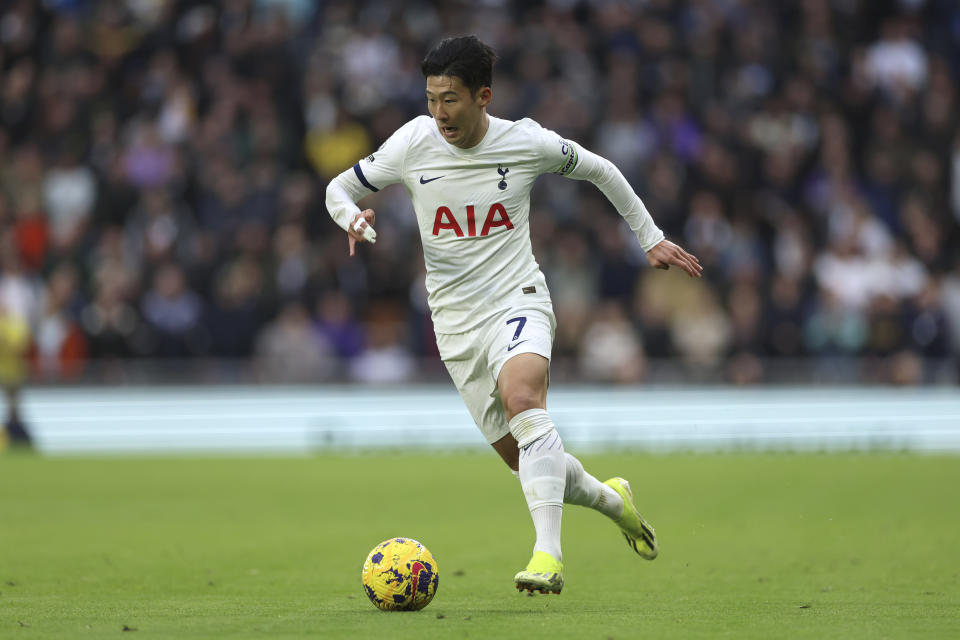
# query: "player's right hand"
{"type": "Point", "coordinates": [361, 229]}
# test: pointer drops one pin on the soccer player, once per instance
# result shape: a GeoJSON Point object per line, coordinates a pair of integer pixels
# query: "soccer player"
{"type": "Point", "coordinates": [469, 176]}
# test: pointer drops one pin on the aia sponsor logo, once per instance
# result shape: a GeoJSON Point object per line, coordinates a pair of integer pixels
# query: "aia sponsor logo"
{"type": "Point", "coordinates": [496, 217]}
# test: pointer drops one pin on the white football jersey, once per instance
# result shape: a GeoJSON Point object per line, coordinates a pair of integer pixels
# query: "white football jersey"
{"type": "Point", "coordinates": [473, 208]}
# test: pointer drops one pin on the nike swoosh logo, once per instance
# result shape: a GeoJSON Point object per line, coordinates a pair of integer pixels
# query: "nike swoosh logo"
{"type": "Point", "coordinates": [511, 347]}
{"type": "Point", "coordinates": [422, 181]}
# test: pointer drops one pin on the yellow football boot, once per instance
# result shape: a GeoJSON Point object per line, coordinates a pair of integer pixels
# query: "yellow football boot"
{"type": "Point", "coordinates": [544, 573]}
{"type": "Point", "coordinates": [639, 534]}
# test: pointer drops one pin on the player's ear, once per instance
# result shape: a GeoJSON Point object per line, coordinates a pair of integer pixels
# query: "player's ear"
{"type": "Point", "coordinates": [484, 95]}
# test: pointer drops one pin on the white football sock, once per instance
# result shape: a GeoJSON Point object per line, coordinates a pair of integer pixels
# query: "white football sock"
{"type": "Point", "coordinates": [542, 477]}
{"type": "Point", "coordinates": [585, 490]}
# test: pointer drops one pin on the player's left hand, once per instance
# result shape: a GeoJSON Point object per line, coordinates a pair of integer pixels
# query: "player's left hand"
{"type": "Point", "coordinates": [666, 253]}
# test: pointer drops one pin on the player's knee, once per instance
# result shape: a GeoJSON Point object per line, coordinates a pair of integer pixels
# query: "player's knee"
{"type": "Point", "coordinates": [517, 402]}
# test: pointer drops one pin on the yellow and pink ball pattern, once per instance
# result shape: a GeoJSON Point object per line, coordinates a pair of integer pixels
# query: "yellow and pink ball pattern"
{"type": "Point", "coordinates": [400, 574]}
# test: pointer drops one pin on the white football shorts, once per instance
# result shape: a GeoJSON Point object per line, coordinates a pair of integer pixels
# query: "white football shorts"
{"type": "Point", "coordinates": [474, 359]}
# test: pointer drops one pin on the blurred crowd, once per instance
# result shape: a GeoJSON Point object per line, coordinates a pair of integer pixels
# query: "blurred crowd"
{"type": "Point", "coordinates": [163, 164]}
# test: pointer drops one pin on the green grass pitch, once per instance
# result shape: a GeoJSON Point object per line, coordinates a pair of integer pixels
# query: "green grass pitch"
{"type": "Point", "coordinates": [752, 546]}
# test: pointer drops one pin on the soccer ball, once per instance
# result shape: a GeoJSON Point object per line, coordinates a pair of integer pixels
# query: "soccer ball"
{"type": "Point", "coordinates": [400, 574]}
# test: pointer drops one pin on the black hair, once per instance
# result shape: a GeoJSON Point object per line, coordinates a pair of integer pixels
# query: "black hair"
{"type": "Point", "coordinates": [465, 57]}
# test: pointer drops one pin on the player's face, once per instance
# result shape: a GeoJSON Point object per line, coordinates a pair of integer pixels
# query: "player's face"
{"type": "Point", "coordinates": [460, 115]}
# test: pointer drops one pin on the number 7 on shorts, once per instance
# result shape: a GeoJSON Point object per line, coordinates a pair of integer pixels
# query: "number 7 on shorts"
{"type": "Point", "coordinates": [520, 320]}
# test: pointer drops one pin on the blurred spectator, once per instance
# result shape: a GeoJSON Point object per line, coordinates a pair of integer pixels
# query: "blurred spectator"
{"type": "Point", "coordinates": [173, 312]}
{"type": "Point", "coordinates": [336, 148]}
{"type": "Point", "coordinates": [571, 264]}
{"type": "Point", "coordinates": [896, 62]}
{"type": "Point", "coordinates": [955, 178]}
{"type": "Point", "coordinates": [69, 193]}
{"type": "Point", "coordinates": [387, 359]}
{"type": "Point", "coordinates": [20, 290]}
{"type": "Point", "coordinates": [951, 305]}
{"type": "Point", "coordinates": [835, 329]}
{"type": "Point", "coordinates": [159, 229]}
{"type": "Point", "coordinates": [701, 331]}
{"type": "Point", "coordinates": [17, 306]}
{"type": "Point", "coordinates": [337, 325]}
{"type": "Point", "coordinates": [238, 309]}
{"type": "Point", "coordinates": [59, 346]}
{"type": "Point", "coordinates": [116, 195]}
{"type": "Point", "coordinates": [785, 318]}
{"type": "Point", "coordinates": [293, 261]}
{"type": "Point", "coordinates": [708, 230]}
{"type": "Point", "coordinates": [111, 323]}
{"type": "Point", "coordinates": [610, 350]}
{"type": "Point", "coordinates": [926, 321]}
{"type": "Point", "coordinates": [149, 162]}
{"type": "Point", "coordinates": [32, 233]}
{"type": "Point", "coordinates": [745, 309]}
{"type": "Point", "coordinates": [288, 350]}
{"type": "Point", "coordinates": [14, 341]}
